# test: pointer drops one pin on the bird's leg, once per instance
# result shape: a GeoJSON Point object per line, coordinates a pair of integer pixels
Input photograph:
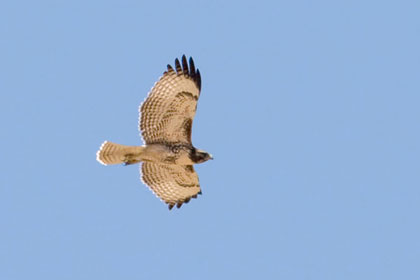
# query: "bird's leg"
{"type": "Point", "coordinates": [130, 159]}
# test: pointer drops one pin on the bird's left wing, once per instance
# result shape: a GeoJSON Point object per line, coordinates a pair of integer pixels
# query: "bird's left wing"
{"type": "Point", "coordinates": [167, 113]}
{"type": "Point", "coordinates": [173, 184]}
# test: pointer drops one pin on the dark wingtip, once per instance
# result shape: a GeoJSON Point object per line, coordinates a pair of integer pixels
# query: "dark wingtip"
{"type": "Point", "coordinates": [178, 66]}
{"type": "Point", "coordinates": [198, 79]}
{"type": "Point", "coordinates": [192, 67]}
{"type": "Point", "coordinates": [200, 192]}
{"type": "Point", "coordinates": [185, 65]}
{"type": "Point", "coordinates": [170, 206]}
{"type": "Point", "coordinates": [178, 205]}
{"type": "Point", "coordinates": [187, 69]}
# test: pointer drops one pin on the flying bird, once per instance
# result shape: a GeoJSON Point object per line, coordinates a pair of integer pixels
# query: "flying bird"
{"type": "Point", "coordinates": [167, 156]}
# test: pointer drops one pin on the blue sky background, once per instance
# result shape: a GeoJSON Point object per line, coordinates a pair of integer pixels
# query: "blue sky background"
{"type": "Point", "coordinates": [310, 108]}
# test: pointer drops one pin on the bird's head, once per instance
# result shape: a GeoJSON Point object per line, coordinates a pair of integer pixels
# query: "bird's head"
{"type": "Point", "coordinates": [199, 156]}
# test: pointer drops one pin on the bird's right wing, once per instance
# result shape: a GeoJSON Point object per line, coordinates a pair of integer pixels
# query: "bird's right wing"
{"type": "Point", "coordinates": [168, 112]}
{"type": "Point", "coordinates": [173, 184]}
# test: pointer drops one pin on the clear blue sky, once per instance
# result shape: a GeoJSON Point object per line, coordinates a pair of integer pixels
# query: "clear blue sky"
{"type": "Point", "coordinates": [310, 108]}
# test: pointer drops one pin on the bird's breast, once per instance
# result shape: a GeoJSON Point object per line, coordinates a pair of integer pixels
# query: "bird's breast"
{"type": "Point", "coordinates": [167, 153]}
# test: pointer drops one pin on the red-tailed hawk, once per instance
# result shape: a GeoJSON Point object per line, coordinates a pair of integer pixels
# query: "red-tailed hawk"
{"type": "Point", "coordinates": [168, 155]}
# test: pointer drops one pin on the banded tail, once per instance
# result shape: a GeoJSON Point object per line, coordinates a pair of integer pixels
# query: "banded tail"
{"type": "Point", "coordinates": [112, 153]}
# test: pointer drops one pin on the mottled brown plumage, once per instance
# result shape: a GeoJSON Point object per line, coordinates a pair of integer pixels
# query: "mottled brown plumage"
{"type": "Point", "coordinates": [165, 123]}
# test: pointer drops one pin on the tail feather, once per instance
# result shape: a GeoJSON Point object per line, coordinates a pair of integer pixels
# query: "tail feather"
{"type": "Point", "coordinates": [112, 153]}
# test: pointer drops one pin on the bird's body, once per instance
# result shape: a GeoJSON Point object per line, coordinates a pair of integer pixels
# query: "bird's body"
{"type": "Point", "coordinates": [169, 153]}
{"type": "Point", "coordinates": [165, 123]}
